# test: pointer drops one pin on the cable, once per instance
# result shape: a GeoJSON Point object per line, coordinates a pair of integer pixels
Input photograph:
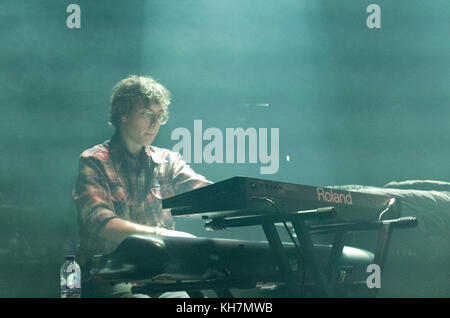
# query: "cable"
{"type": "Point", "coordinates": [301, 258]}
{"type": "Point", "coordinates": [390, 204]}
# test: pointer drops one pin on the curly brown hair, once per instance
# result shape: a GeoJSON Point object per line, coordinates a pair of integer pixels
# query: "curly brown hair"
{"type": "Point", "coordinates": [137, 90]}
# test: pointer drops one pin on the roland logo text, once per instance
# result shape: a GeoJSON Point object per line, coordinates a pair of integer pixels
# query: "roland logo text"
{"type": "Point", "coordinates": [333, 197]}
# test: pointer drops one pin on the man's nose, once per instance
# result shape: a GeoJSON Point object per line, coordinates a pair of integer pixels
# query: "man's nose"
{"type": "Point", "coordinates": [154, 123]}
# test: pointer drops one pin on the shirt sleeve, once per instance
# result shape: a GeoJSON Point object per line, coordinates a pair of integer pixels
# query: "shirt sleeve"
{"type": "Point", "coordinates": [185, 178]}
{"type": "Point", "coordinates": [92, 196]}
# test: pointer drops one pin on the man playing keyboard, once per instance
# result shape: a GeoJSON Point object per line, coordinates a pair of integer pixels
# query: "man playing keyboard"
{"type": "Point", "coordinates": [122, 181]}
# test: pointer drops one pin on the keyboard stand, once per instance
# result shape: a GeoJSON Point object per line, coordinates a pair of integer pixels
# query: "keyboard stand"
{"type": "Point", "coordinates": [306, 245]}
{"type": "Point", "coordinates": [325, 277]}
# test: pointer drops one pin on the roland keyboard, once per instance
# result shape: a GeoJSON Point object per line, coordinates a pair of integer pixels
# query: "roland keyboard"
{"type": "Point", "coordinates": [242, 196]}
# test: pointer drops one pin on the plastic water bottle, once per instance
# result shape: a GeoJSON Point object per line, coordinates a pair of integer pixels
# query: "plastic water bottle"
{"type": "Point", "coordinates": [70, 278]}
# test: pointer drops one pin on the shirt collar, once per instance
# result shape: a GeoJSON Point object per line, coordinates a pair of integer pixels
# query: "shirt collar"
{"type": "Point", "coordinates": [120, 152]}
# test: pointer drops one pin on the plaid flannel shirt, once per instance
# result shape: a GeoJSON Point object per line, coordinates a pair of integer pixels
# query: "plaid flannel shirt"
{"type": "Point", "coordinates": [112, 183]}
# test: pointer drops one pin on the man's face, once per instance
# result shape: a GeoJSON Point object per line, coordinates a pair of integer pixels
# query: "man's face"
{"type": "Point", "coordinates": [140, 127]}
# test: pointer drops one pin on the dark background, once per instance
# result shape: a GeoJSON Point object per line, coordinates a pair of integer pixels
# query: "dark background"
{"type": "Point", "coordinates": [353, 105]}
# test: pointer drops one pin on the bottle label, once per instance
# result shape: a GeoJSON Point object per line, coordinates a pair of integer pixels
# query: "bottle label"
{"type": "Point", "coordinates": [73, 279]}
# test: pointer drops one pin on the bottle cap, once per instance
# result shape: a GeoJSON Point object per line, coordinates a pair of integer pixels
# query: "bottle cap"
{"type": "Point", "coordinates": [70, 257]}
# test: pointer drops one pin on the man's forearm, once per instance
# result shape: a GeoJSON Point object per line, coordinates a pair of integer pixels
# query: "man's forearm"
{"type": "Point", "coordinates": [116, 230]}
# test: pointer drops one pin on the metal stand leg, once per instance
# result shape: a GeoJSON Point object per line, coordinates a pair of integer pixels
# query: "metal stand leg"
{"type": "Point", "coordinates": [283, 262]}
{"type": "Point", "coordinates": [335, 257]}
{"type": "Point", "coordinates": [310, 257]}
{"type": "Point", "coordinates": [384, 238]}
